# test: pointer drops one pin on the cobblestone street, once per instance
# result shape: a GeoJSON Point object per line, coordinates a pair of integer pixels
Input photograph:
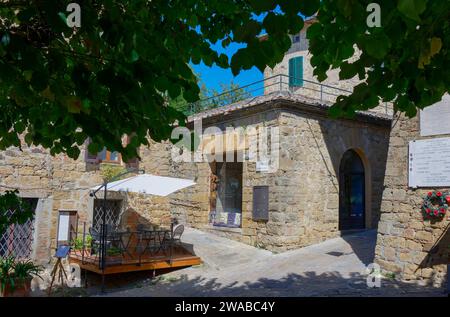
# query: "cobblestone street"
{"type": "Point", "coordinates": [336, 267]}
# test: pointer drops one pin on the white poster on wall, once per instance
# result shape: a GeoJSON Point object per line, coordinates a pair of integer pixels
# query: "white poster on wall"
{"type": "Point", "coordinates": [435, 119]}
{"type": "Point", "coordinates": [63, 227]}
{"type": "Point", "coordinates": [429, 163]}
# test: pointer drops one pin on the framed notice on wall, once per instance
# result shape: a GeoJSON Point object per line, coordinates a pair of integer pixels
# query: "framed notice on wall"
{"type": "Point", "coordinates": [260, 203]}
{"type": "Point", "coordinates": [429, 163]}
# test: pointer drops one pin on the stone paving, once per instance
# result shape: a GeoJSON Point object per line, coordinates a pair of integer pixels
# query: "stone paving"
{"type": "Point", "coordinates": [336, 267]}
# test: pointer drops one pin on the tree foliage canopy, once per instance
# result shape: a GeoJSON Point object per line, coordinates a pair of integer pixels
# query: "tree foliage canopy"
{"type": "Point", "coordinates": [13, 209]}
{"type": "Point", "coordinates": [405, 61]}
{"type": "Point", "coordinates": [110, 77]}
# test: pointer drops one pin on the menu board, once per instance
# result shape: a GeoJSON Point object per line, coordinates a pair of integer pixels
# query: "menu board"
{"type": "Point", "coordinates": [434, 120]}
{"type": "Point", "coordinates": [429, 163]}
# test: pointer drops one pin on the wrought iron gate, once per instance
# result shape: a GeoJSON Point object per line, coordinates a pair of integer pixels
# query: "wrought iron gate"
{"type": "Point", "coordinates": [113, 208]}
{"type": "Point", "coordinates": [17, 240]}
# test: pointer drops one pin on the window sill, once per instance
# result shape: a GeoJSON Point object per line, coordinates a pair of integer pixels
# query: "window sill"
{"type": "Point", "coordinates": [225, 229]}
{"type": "Point", "coordinates": [110, 163]}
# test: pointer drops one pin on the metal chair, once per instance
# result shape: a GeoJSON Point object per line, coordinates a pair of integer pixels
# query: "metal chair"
{"type": "Point", "coordinates": [95, 241]}
{"type": "Point", "coordinates": [172, 238]}
{"type": "Point", "coordinates": [177, 233]}
{"type": "Point", "coordinates": [145, 239]}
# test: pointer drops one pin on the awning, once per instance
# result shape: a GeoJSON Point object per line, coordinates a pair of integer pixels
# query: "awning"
{"type": "Point", "coordinates": [148, 184]}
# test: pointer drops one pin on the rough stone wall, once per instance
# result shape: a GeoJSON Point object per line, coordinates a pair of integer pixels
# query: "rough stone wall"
{"type": "Point", "coordinates": [304, 191]}
{"type": "Point", "coordinates": [303, 194]}
{"type": "Point", "coordinates": [59, 182]}
{"type": "Point", "coordinates": [308, 184]}
{"type": "Point", "coordinates": [196, 200]}
{"type": "Point", "coordinates": [407, 244]}
{"type": "Point", "coordinates": [190, 206]}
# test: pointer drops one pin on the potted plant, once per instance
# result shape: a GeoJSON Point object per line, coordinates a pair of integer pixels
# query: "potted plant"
{"type": "Point", "coordinates": [16, 276]}
{"type": "Point", "coordinates": [113, 255]}
{"type": "Point", "coordinates": [77, 245]}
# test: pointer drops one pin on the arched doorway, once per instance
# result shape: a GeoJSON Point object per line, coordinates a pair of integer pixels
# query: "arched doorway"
{"type": "Point", "coordinates": [351, 192]}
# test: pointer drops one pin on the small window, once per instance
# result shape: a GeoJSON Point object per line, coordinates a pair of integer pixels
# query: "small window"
{"type": "Point", "coordinates": [67, 227]}
{"type": "Point", "coordinates": [103, 156]}
{"type": "Point", "coordinates": [296, 39]}
{"type": "Point", "coordinates": [108, 156]}
{"type": "Point", "coordinates": [296, 72]}
{"type": "Point", "coordinates": [113, 211]}
{"type": "Point", "coordinates": [17, 239]}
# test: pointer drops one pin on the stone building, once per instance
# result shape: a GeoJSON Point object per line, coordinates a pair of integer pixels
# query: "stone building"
{"type": "Point", "coordinates": [299, 202]}
{"type": "Point", "coordinates": [320, 177]}
{"type": "Point", "coordinates": [409, 244]}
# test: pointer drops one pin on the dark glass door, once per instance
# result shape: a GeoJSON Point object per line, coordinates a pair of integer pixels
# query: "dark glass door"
{"type": "Point", "coordinates": [352, 193]}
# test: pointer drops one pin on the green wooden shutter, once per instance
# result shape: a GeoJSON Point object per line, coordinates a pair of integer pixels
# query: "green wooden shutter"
{"type": "Point", "coordinates": [296, 72]}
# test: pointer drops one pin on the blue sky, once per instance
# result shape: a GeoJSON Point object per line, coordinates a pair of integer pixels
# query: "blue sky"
{"type": "Point", "coordinates": [213, 76]}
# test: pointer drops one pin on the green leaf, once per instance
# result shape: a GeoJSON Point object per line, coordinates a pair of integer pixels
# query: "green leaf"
{"type": "Point", "coordinates": [73, 104]}
{"type": "Point", "coordinates": [39, 81]}
{"type": "Point", "coordinates": [435, 46]}
{"type": "Point", "coordinates": [428, 52]}
{"type": "Point", "coordinates": [73, 152]}
{"type": "Point", "coordinates": [347, 71]}
{"type": "Point", "coordinates": [412, 8]}
{"type": "Point", "coordinates": [134, 56]}
{"type": "Point", "coordinates": [377, 45]}
{"type": "Point", "coordinates": [308, 7]}
{"type": "Point", "coordinates": [262, 5]}
{"type": "Point", "coordinates": [345, 7]}
{"type": "Point", "coordinates": [26, 14]}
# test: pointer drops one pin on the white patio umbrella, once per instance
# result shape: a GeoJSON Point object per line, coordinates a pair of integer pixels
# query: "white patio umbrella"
{"type": "Point", "coordinates": [145, 184]}
{"type": "Point", "coordinates": [148, 184]}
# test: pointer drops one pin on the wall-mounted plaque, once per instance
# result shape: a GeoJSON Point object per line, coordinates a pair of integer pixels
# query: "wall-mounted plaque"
{"type": "Point", "coordinates": [434, 120]}
{"type": "Point", "coordinates": [429, 163]}
{"type": "Point", "coordinates": [260, 203]}
{"type": "Point", "coordinates": [262, 166]}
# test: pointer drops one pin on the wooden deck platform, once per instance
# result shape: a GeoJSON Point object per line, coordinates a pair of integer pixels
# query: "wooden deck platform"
{"type": "Point", "coordinates": [181, 257]}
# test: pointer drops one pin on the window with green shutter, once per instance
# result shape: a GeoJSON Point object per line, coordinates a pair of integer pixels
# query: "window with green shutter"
{"type": "Point", "coordinates": [296, 71]}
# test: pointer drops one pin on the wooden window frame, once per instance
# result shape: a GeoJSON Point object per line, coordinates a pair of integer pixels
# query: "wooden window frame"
{"type": "Point", "coordinates": [90, 158]}
{"type": "Point", "coordinates": [73, 217]}
{"type": "Point", "coordinates": [295, 80]}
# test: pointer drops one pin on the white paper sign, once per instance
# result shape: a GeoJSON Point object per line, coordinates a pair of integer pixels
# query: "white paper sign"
{"type": "Point", "coordinates": [262, 166]}
{"type": "Point", "coordinates": [429, 163]}
{"type": "Point", "coordinates": [63, 228]}
{"type": "Point", "coordinates": [435, 119]}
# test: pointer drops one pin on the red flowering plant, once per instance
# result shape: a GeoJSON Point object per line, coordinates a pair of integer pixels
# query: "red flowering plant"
{"type": "Point", "coordinates": [435, 204]}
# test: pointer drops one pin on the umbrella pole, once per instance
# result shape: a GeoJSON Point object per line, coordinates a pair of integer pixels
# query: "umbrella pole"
{"type": "Point", "coordinates": [103, 237]}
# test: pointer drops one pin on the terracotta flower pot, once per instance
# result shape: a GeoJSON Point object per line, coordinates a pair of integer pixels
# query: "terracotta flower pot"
{"type": "Point", "coordinates": [22, 288]}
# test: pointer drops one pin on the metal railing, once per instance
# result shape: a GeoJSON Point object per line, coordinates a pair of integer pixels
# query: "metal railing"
{"type": "Point", "coordinates": [275, 84]}
{"type": "Point", "coordinates": [119, 247]}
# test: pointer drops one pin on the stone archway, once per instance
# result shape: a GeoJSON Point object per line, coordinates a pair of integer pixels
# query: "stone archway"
{"type": "Point", "coordinates": [352, 192]}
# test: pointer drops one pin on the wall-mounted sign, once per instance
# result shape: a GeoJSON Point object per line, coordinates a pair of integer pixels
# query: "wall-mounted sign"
{"type": "Point", "coordinates": [429, 163]}
{"type": "Point", "coordinates": [262, 166]}
{"type": "Point", "coordinates": [434, 120]}
{"type": "Point", "coordinates": [260, 203]}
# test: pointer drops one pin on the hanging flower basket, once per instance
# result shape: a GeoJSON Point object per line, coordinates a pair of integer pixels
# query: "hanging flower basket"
{"type": "Point", "coordinates": [435, 205]}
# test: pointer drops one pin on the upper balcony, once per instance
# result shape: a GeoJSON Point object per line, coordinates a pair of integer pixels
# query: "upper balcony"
{"type": "Point", "coordinates": [306, 91]}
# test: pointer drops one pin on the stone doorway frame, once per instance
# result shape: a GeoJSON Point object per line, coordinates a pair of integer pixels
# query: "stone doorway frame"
{"type": "Point", "coordinates": [367, 184]}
